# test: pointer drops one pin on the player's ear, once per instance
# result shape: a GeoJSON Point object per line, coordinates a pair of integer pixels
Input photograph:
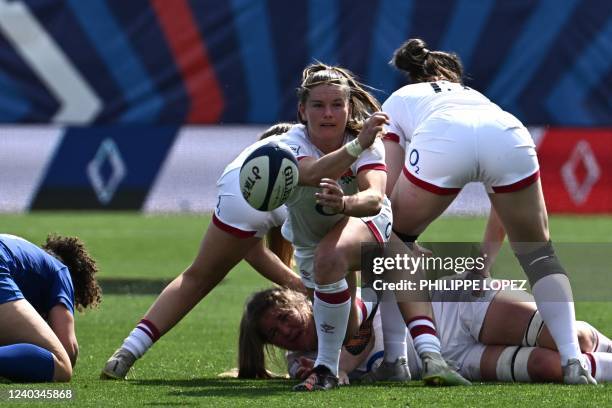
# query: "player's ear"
{"type": "Point", "coordinates": [302, 112]}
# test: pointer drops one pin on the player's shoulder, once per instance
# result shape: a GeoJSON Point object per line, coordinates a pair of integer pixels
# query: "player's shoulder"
{"type": "Point", "coordinates": [405, 95]}
{"type": "Point", "coordinates": [297, 140]}
{"type": "Point", "coordinates": [296, 133]}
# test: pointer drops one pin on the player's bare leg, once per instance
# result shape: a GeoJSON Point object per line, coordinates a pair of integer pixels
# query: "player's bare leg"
{"type": "Point", "coordinates": [28, 327]}
{"type": "Point", "coordinates": [414, 209]}
{"type": "Point", "coordinates": [524, 216]}
{"type": "Point", "coordinates": [219, 253]}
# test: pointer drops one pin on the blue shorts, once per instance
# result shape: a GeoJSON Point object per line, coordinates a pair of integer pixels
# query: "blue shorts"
{"type": "Point", "coordinates": [9, 291]}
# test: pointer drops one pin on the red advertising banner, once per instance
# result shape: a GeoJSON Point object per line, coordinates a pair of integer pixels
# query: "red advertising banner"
{"type": "Point", "coordinates": [576, 170]}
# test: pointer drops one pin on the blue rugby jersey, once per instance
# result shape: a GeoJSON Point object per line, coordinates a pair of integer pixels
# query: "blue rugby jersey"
{"type": "Point", "coordinates": [43, 280]}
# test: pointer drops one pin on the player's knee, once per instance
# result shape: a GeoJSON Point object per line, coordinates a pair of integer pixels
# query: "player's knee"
{"type": "Point", "coordinates": [62, 369]}
{"type": "Point", "coordinates": [543, 366]}
{"type": "Point", "coordinates": [196, 277]}
{"type": "Point", "coordinates": [329, 264]}
{"type": "Point", "coordinates": [585, 337]}
{"type": "Point", "coordinates": [540, 263]}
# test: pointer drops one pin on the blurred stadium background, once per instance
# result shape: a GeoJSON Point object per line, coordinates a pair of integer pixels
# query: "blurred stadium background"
{"type": "Point", "coordinates": [138, 105]}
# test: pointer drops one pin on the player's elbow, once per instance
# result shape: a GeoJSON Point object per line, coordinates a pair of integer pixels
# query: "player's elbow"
{"type": "Point", "coordinates": [585, 337]}
{"type": "Point", "coordinates": [73, 352]}
{"type": "Point", "coordinates": [375, 202]}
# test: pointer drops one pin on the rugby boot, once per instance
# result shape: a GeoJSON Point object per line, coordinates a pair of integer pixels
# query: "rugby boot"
{"type": "Point", "coordinates": [437, 372]}
{"type": "Point", "coordinates": [118, 365]}
{"type": "Point", "coordinates": [386, 371]}
{"type": "Point", "coordinates": [576, 373]}
{"type": "Point", "coordinates": [321, 379]}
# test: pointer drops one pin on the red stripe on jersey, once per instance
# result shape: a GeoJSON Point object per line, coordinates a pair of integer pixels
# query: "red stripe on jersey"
{"type": "Point", "coordinates": [348, 173]}
{"type": "Point", "coordinates": [419, 330]}
{"type": "Point", "coordinates": [334, 298]}
{"type": "Point", "coordinates": [149, 325]}
{"type": "Point", "coordinates": [364, 309]}
{"type": "Point", "coordinates": [373, 166]}
{"type": "Point", "coordinates": [189, 52]}
{"type": "Point", "coordinates": [420, 318]}
{"type": "Point", "coordinates": [519, 185]}
{"type": "Point", "coordinates": [593, 364]}
{"type": "Point", "coordinates": [301, 157]}
{"type": "Point", "coordinates": [428, 186]}
{"type": "Point", "coordinates": [375, 232]}
{"type": "Point", "coordinates": [391, 137]}
{"type": "Point", "coordinates": [238, 233]}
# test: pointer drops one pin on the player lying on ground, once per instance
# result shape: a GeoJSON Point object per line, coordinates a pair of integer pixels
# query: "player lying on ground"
{"type": "Point", "coordinates": [235, 234]}
{"type": "Point", "coordinates": [39, 289]}
{"type": "Point", "coordinates": [498, 337]}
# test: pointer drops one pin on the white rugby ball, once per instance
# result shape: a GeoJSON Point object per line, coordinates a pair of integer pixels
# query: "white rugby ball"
{"type": "Point", "coordinates": [268, 176]}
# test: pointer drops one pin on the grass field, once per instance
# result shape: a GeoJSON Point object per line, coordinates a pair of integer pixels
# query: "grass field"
{"type": "Point", "coordinates": [182, 368]}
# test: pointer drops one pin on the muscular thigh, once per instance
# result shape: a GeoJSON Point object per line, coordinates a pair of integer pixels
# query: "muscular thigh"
{"type": "Point", "coordinates": [344, 241]}
{"type": "Point", "coordinates": [26, 326]}
{"type": "Point", "coordinates": [507, 318]}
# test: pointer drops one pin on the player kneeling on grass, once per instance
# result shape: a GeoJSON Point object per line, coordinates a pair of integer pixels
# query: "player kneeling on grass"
{"type": "Point", "coordinates": [39, 289]}
{"type": "Point", "coordinates": [497, 337]}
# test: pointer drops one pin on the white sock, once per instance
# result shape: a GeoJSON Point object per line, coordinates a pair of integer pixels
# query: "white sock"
{"type": "Point", "coordinates": [553, 295]}
{"type": "Point", "coordinates": [141, 338]}
{"type": "Point", "coordinates": [393, 327]}
{"type": "Point", "coordinates": [424, 335]}
{"type": "Point", "coordinates": [331, 309]}
{"type": "Point", "coordinates": [600, 365]}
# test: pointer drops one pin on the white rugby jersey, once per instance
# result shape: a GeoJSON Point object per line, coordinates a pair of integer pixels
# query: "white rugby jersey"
{"type": "Point", "coordinates": [411, 105]}
{"type": "Point", "coordinates": [309, 222]}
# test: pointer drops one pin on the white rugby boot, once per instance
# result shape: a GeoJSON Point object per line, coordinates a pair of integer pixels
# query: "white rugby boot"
{"type": "Point", "coordinates": [386, 371]}
{"type": "Point", "coordinates": [577, 373]}
{"type": "Point", "coordinates": [437, 372]}
{"type": "Point", "coordinates": [118, 365]}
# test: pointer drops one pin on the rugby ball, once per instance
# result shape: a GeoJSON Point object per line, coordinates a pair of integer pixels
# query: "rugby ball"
{"type": "Point", "coordinates": [268, 176]}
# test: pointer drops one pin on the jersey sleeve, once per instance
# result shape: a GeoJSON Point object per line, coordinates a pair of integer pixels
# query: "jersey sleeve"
{"type": "Point", "coordinates": [62, 290]}
{"type": "Point", "coordinates": [395, 130]}
{"type": "Point", "coordinates": [372, 158]}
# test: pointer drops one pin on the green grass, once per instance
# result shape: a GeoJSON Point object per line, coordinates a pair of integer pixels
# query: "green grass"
{"type": "Point", "coordinates": [182, 368]}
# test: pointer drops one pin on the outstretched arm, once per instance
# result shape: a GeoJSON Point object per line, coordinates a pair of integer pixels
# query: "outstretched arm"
{"type": "Point", "coordinates": [334, 164]}
{"type": "Point", "coordinates": [272, 268]}
{"type": "Point", "coordinates": [492, 240]}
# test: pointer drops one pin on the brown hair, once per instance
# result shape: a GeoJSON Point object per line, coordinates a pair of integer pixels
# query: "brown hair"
{"type": "Point", "coordinates": [71, 252]}
{"type": "Point", "coordinates": [423, 65]}
{"type": "Point", "coordinates": [251, 342]}
{"type": "Point", "coordinates": [362, 102]}
{"type": "Point", "coordinates": [276, 129]}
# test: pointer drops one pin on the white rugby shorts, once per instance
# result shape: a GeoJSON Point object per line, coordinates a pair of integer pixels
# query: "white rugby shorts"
{"type": "Point", "coordinates": [235, 216]}
{"type": "Point", "coordinates": [459, 325]}
{"type": "Point", "coordinates": [453, 148]}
